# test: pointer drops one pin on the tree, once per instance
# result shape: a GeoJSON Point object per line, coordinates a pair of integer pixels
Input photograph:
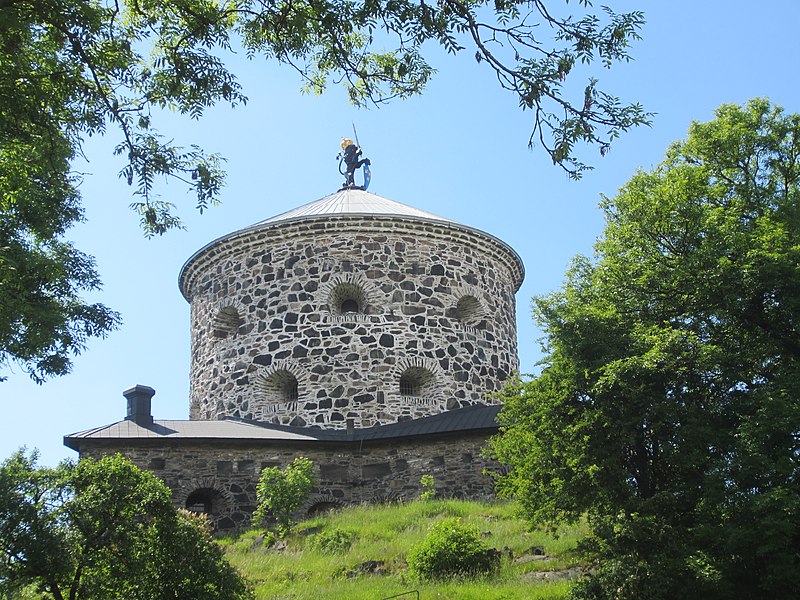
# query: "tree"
{"type": "Point", "coordinates": [668, 407]}
{"type": "Point", "coordinates": [281, 493]}
{"type": "Point", "coordinates": [104, 530]}
{"type": "Point", "coordinates": [69, 70]}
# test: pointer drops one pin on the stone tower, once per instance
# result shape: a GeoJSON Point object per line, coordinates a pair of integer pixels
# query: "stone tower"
{"type": "Point", "coordinates": [350, 312]}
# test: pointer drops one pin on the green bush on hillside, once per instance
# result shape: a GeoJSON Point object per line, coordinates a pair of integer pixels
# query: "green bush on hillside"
{"type": "Point", "coordinates": [428, 486]}
{"type": "Point", "coordinates": [337, 541]}
{"type": "Point", "coordinates": [452, 549]}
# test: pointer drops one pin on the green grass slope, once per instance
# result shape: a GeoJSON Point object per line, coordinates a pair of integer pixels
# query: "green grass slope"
{"type": "Point", "coordinates": [361, 553]}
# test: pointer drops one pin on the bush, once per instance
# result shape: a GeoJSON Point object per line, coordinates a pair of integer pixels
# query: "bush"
{"type": "Point", "coordinates": [337, 541]}
{"type": "Point", "coordinates": [452, 549]}
{"type": "Point", "coordinates": [282, 492]}
{"type": "Point", "coordinates": [428, 486]}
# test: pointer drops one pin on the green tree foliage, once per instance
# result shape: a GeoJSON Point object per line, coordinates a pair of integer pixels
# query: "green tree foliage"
{"type": "Point", "coordinates": [104, 530]}
{"type": "Point", "coordinates": [281, 492]}
{"type": "Point", "coordinates": [668, 408]}
{"type": "Point", "coordinates": [70, 69]}
{"type": "Point", "coordinates": [452, 549]}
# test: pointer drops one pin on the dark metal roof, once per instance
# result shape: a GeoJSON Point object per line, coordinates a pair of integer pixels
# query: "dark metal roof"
{"type": "Point", "coordinates": [470, 418]}
{"type": "Point", "coordinates": [462, 420]}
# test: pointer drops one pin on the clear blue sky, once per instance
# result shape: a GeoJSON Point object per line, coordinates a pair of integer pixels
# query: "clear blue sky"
{"type": "Point", "coordinates": [459, 150]}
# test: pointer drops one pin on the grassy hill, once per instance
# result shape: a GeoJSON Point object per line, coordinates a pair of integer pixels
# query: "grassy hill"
{"type": "Point", "coordinates": [360, 553]}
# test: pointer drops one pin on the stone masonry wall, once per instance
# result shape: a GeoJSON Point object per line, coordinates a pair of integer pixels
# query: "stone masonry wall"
{"type": "Point", "coordinates": [227, 474]}
{"type": "Point", "coordinates": [315, 323]}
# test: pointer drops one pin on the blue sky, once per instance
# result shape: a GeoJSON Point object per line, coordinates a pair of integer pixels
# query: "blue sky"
{"type": "Point", "coordinates": [459, 150]}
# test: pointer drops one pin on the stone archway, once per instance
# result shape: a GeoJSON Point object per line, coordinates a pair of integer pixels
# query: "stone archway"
{"type": "Point", "coordinates": [206, 497]}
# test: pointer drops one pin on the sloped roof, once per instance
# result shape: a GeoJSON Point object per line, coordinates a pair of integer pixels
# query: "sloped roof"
{"type": "Point", "coordinates": [470, 418]}
{"type": "Point", "coordinates": [352, 202]}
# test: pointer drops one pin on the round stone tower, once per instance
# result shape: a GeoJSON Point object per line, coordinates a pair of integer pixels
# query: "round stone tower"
{"type": "Point", "coordinates": [350, 311]}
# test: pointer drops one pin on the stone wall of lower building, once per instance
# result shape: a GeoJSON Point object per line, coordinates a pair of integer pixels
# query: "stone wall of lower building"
{"type": "Point", "coordinates": [374, 320]}
{"type": "Point", "coordinates": [221, 478]}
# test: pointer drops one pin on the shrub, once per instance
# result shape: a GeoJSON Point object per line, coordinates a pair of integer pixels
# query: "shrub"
{"type": "Point", "coordinates": [282, 492]}
{"type": "Point", "coordinates": [452, 549]}
{"type": "Point", "coordinates": [337, 541]}
{"type": "Point", "coordinates": [429, 491]}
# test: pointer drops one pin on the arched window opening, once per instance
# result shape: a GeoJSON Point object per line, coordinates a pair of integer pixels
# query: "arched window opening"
{"type": "Point", "coordinates": [280, 386]}
{"type": "Point", "coordinates": [321, 508]}
{"type": "Point", "coordinates": [347, 298]}
{"type": "Point", "coordinates": [201, 502]}
{"type": "Point", "coordinates": [349, 306]}
{"type": "Point", "coordinates": [407, 386]}
{"type": "Point", "coordinates": [291, 391]}
{"type": "Point", "coordinates": [226, 322]}
{"type": "Point", "coordinates": [469, 310]}
{"type": "Point", "coordinates": [417, 382]}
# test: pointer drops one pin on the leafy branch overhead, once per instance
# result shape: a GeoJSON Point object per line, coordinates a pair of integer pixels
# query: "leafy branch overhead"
{"type": "Point", "coordinates": [530, 50]}
{"type": "Point", "coordinates": [100, 63]}
{"type": "Point", "coordinates": [70, 70]}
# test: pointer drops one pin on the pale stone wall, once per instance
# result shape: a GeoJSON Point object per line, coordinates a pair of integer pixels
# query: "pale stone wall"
{"type": "Point", "coordinates": [434, 304]}
{"type": "Point", "coordinates": [347, 473]}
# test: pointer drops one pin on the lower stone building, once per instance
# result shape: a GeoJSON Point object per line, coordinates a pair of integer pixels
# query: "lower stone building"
{"type": "Point", "coordinates": [213, 466]}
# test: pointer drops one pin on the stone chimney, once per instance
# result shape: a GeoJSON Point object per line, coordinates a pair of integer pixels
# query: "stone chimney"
{"type": "Point", "coordinates": [139, 404]}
